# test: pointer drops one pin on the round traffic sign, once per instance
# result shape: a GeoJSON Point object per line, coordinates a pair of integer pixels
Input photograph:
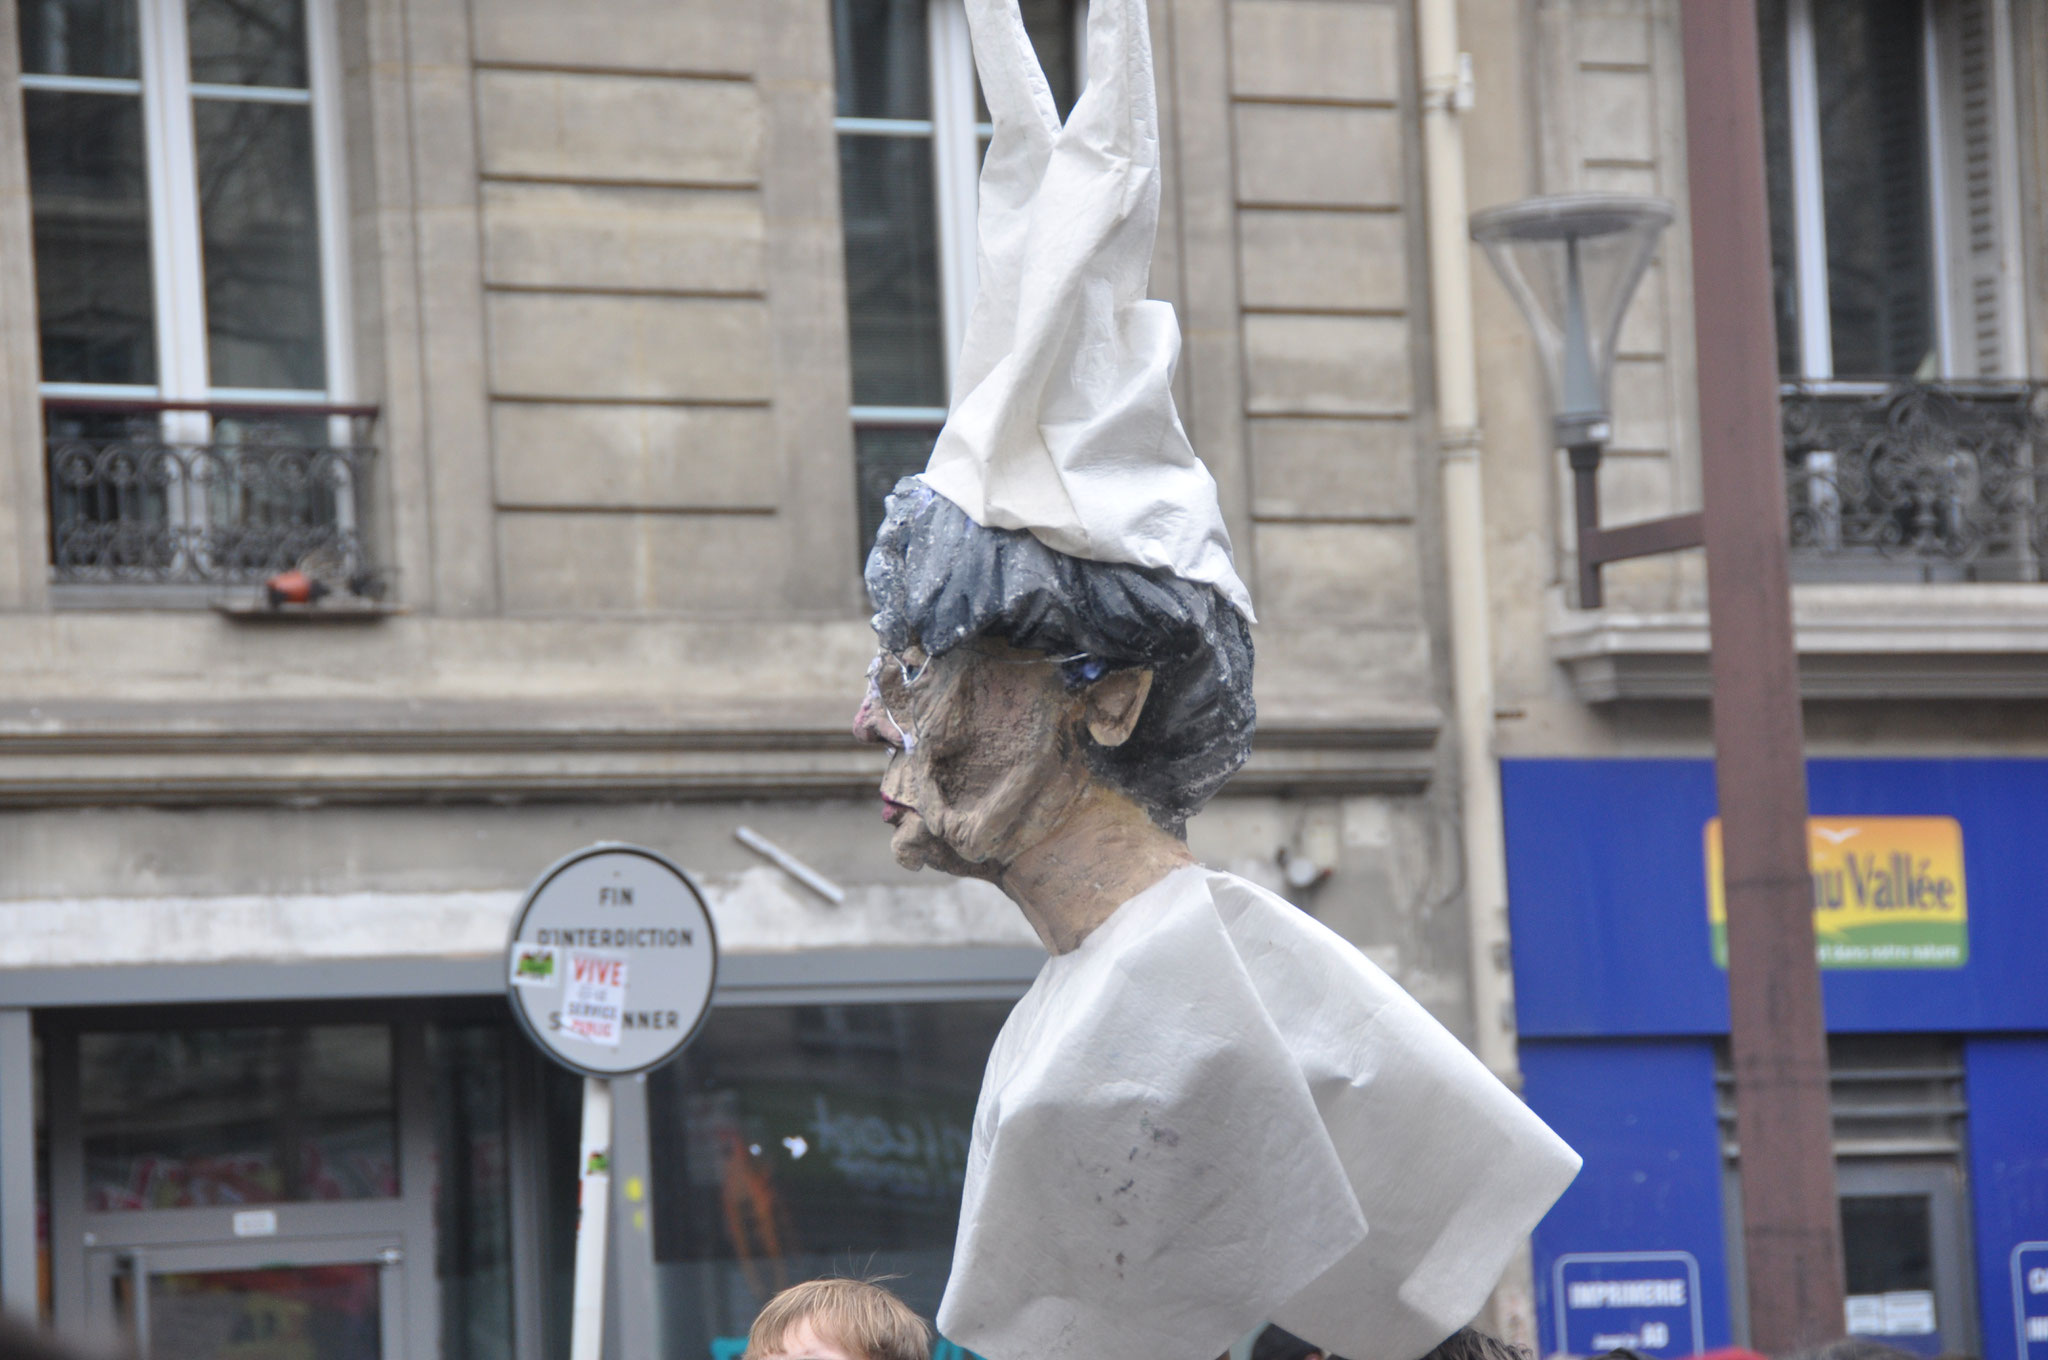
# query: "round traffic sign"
{"type": "Point", "coordinates": [612, 961]}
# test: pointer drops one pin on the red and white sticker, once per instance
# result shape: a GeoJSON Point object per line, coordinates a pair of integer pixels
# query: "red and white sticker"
{"type": "Point", "coordinates": [594, 1005]}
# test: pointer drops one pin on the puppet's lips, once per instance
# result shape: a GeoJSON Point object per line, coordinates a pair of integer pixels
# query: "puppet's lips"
{"type": "Point", "coordinates": [892, 811]}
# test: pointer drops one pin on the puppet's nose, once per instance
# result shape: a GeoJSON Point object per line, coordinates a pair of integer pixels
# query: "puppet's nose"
{"type": "Point", "coordinates": [871, 724]}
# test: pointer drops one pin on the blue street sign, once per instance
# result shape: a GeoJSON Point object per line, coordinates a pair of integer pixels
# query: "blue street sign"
{"type": "Point", "coordinates": [2030, 1298]}
{"type": "Point", "coordinates": [1648, 1301]}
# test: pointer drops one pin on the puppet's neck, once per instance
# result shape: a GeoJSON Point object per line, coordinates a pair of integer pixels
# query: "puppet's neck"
{"type": "Point", "coordinates": [1103, 853]}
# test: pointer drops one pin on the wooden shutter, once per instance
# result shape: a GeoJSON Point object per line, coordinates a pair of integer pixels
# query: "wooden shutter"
{"type": "Point", "coordinates": [1979, 189]}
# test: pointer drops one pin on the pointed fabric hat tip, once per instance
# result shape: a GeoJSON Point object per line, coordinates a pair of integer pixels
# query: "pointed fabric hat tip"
{"type": "Point", "coordinates": [1063, 421]}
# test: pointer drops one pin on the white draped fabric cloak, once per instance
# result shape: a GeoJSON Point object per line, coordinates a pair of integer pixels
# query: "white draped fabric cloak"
{"type": "Point", "coordinates": [1215, 1113]}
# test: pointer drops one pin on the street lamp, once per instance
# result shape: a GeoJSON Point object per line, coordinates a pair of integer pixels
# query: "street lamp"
{"type": "Point", "coordinates": [1572, 262]}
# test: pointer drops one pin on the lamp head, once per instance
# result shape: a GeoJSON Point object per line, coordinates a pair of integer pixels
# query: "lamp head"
{"type": "Point", "coordinates": [1572, 262]}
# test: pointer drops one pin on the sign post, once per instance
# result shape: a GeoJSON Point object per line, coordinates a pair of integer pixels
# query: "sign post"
{"type": "Point", "coordinates": [610, 970]}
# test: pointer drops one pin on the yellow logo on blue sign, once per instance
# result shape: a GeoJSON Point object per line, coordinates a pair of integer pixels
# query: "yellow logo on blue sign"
{"type": "Point", "coordinates": [1887, 892]}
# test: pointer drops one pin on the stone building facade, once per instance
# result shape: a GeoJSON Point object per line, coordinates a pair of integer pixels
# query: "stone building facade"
{"type": "Point", "coordinates": [604, 327]}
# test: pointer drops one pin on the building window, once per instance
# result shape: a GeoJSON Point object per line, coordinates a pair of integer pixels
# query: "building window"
{"type": "Point", "coordinates": [186, 186]}
{"type": "Point", "coordinates": [1891, 165]}
{"type": "Point", "coordinates": [911, 133]}
{"type": "Point", "coordinates": [790, 1142]}
{"type": "Point", "coordinates": [177, 1118]}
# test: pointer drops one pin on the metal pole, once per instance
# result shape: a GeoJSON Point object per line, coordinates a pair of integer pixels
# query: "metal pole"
{"type": "Point", "coordinates": [18, 1294]}
{"type": "Point", "coordinates": [1791, 1221]}
{"type": "Point", "coordinates": [638, 1310]}
{"type": "Point", "coordinates": [1585, 463]}
{"type": "Point", "coordinates": [593, 1214]}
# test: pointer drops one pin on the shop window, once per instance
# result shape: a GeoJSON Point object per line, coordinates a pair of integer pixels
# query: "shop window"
{"type": "Point", "coordinates": [1891, 164]}
{"type": "Point", "coordinates": [473, 1202]}
{"type": "Point", "coordinates": [911, 133]}
{"type": "Point", "coordinates": [791, 1142]}
{"type": "Point", "coordinates": [186, 193]}
{"type": "Point", "coordinates": [272, 1114]}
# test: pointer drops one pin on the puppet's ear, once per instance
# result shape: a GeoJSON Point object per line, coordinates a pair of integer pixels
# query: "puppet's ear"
{"type": "Point", "coordinates": [1113, 704]}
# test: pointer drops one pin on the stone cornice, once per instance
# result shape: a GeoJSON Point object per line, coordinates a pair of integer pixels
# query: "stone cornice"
{"type": "Point", "coordinates": [1946, 641]}
{"type": "Point", "coordinates": [110, 752]}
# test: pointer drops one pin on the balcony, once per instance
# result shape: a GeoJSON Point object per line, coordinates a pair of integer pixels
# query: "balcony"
{"type": "Point", "coordinates": [1919, 482]}
{"type": "Point", "coordinates": [155, 502]}
{"type": "Point", "coordinates": [1918, 520]}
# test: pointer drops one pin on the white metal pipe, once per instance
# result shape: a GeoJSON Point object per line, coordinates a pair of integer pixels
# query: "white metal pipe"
{"type": "Point", "coordinates": [593, 1220]}
{"type": "Point", "coordinates": [1457, 403]}
{"type": "Point", "coordinates": [1446, 94]}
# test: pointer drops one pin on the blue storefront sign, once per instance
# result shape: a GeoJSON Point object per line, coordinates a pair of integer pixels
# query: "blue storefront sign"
{"type": "Point", "coordinates": [1622, 1007]}
{"type": "Point", "coordinates": [2030, 1298]}
{"type": "Point", "coordinates": [1647, 1301]}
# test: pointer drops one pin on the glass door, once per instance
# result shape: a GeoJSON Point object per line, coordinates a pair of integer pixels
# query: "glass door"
{"type": "Point", "coordinates": [1906, 1253]}
{"type": "Point", "coordinates": [335, 1299]}
{"type": "Point", "coordinates": [244, 1183]}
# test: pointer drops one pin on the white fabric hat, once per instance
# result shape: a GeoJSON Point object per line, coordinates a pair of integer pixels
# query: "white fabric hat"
{"type": "Point", "coordinates": [1063, 420]}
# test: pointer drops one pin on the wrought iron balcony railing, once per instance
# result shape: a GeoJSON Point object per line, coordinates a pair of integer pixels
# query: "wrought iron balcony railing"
{"type": "Point", "coordinates": [186, 493]}
{"type": "Point", "coordinates": [1917, 481]}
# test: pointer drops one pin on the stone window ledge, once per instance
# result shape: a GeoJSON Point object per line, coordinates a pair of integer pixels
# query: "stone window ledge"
{"type": "Point", "coordinates": [1949, 641]}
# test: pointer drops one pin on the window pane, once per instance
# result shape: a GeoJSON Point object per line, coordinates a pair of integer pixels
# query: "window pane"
{"type": "Point", "coordinates": [237, 1116]}
{"type": "Point", "coordinates": [248, 42]}
{"type": "Point", "coordinates": [1874, 167]}
{"type": "Point", "coordinates": [796, 1141]}
{"type": "Point", "coordinates": [301, 1312]}
{"type": "Point", "coordinates": [1778, 181]}
{"type": "Point", "coordinates": [79, 38]}
{"type": "Point", "coordinates": [1887, 1243]}
{"type": "Point", "coordinates": [261, 238]}
{"type": "Point", "coordinates": [472, 1206]}
{"type": "Point", "coordinates": [886, 455]}
{"type": "Point", "coordinates": [91, 209]}
{"type": "Point", "coordinates": [884, 64]}
{"type": "Point", "coordinates": [892, 271]}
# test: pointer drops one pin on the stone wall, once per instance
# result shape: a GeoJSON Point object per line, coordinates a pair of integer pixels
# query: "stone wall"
{"type": "Point", "coordinates": [598, 288]}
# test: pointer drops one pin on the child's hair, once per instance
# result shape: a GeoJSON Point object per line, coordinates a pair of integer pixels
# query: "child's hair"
{"type": "Point", "coordinates": [862, 1318]}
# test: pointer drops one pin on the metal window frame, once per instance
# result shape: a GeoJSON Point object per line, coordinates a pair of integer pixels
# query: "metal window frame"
{"type": "Point", "coordinates": [1809, 213]}
{"type": "Point", "coordinates": [384, 1251]}
{"type": "Point", "coordinates": [79, 1239]}
{"type": "Point", "coordinates": [1809, 210]}
{"type": "Point", "coordinates": [799, 977]}
{"type": "Point", "coordinates": [177, 267]}
{"type": "Point", "coordinates": [1944, 1182]}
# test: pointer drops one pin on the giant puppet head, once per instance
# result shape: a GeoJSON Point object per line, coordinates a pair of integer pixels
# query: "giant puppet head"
{"type": "Point", "coordinates": [1055, 601]}
{"type": "Point", "coordinates": [1013, 679]}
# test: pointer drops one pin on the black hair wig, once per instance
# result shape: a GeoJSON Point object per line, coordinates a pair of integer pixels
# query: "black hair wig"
{"type": "Point", "coordinates": [939, 580]}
